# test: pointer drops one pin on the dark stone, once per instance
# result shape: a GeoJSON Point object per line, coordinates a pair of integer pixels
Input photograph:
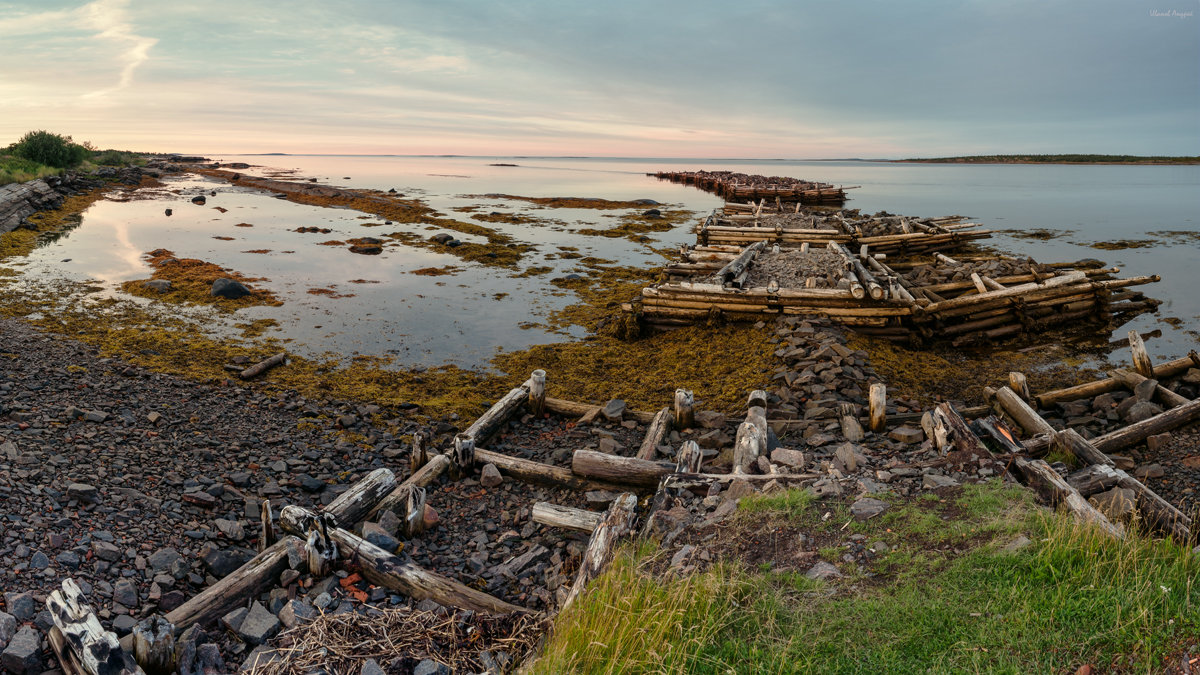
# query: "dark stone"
{"type": "Point", "coordinates": [259, 625]}
{"type": "Point", "coordinates": [123, 624]}
{"type": "Point", "coordinates": [83, 492]}
{"type": "Point", "coordinates": [24, 652]}
{"type": "Point", "coordinates": [431, 667]}
{"type": "Point", "coordinates": [199, 199]}
{"type": "Point", "coordinates": [106, 551]}
{"type": "Point", "coordinates": [220, 563]}
{"type": "Point", "coordinates": [228, 288]}
{"type": "Point", "coordinates": [162, 559]}
{"type": "Point", "coordinates": [126, 593]}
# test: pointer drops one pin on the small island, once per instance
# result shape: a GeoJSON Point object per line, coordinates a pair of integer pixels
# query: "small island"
{"type": "Point", "coordinates": [1054, 159]}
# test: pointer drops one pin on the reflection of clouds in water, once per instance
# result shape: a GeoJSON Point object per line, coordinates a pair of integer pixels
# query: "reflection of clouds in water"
{"type": "Point", "coordinates": [126, 262]}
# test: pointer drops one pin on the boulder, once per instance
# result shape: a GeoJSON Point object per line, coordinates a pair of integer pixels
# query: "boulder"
{"type": "Point", "coordinates": [228, 288]}
{"type": "Point", "coordinates": [489, 476]}
{"type": "Point", "coordinates": [23, 653]}
{"type": "Point", "coordinates": [867, 508]}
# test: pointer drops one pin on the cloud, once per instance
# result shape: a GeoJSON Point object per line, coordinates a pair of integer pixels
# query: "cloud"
{"type": "Point", "coordinates": [110, 17]}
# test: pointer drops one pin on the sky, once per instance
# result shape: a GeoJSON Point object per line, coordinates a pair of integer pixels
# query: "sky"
{"type": "Point", "coordinates": [625, 78]}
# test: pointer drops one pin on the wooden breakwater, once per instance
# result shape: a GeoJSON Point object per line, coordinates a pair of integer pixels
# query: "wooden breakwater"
{"type": "Point", "coordinates": [962, 303]}
{"type": "Point", "coordinates": [733, 185]}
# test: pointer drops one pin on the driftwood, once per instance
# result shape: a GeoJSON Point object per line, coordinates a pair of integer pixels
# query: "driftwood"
{"type": "Point", "coordinates": [618, 522]}
{"type": "Point", "coordinates": [878, 407]}
{"type": "Point", "coordinates": [1019, 385]}
{"type": "Point", "coordinates": [1020, 411]}
{"type": "Point", "coordinates": [263, 366]}
{"type": "Point", "coordinates": [1155, 510]}
{"type": "Point", "coordinates": [154, 645]}
{"type": "Point", "coordinates": [684, 415]}
{"type": "Point", "coordinates": [1140, 431]}
{"type": "Point", "coordinates": [621, 470]}
{"type": "Point", "coordinates": [537, 393]}
{"type": "Point", "coordinates": [354, 504]}
{"type": "Point", "coordinates": [660, 427]}
{"type": "Point", "coordinates": [1055, 491]}
{"type": "Point", "coordinates": [419, 456]}
{"type": "Point", "coordinates": [398, 497]}
{"type": "Point", "coordinates": [530, 471]}
{"type": "Point", "coordinates": [267, 537]}
{"type": "Point", "coordinates": [560, 406]}
{"type": "Point", "coordinates": [1141, 360]}
{"type": "Point", "coordinates": [321, 549]}
{"type": "Point", "coordinates": [690, 459]}
{"type": "Point", "coordinates": [1091, 389]}
{"type": "Point", "coordinates": [495, 417]}
{"type": "Point", "coordinates": [1092, 479]}
{"type": "Point", "coordinates": [851, 427]}
{"type": "Point", "coordinates": [565, 516]}
{"type": "Point", "coordinates": [747, 446]}
{"type": "Point", "coordinates": [410, 509]}
{"type": "Point", "coordinates": [1131, 380]}
{"type": "Point", "coordinates": [384, 569]}
{"type": "Point", "coordinates": [462, 462]}
{"type": "Point", "coordinates": [93, 649]}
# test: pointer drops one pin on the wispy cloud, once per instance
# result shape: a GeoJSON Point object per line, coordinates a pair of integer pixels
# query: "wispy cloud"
{"type": "Point", "coordinates": [111, 19]}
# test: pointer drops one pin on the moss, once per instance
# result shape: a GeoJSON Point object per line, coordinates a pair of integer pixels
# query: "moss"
{"type": "Point", "coordinates": [570, 202]}
{"type": "Point", "coordinates": [191, 282]}
{"type": "Point", "coordinates": [256, 328]}
{"type": "Point", "coordinates": [635, 226]}
{"type": "Point", "coordinates": [436, 271]}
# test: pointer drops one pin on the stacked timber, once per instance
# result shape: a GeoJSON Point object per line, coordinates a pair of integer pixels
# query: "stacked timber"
{"type": "Point", "coordinates": [740, 224]}
{"type": "Point", "coordinates": [963, 302]}
{"type": "Point", "coordinates": [733, 185]}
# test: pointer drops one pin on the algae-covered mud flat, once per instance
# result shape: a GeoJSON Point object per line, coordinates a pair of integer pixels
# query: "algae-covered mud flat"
{"type": "Point", "coordinates": [429, 303]}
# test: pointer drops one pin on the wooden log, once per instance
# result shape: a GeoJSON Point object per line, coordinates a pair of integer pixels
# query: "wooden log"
{"type": "Point", "coordinates": [397, 499]}
{"type": "Point", "coordinates": [1106, 385]}
{"type": "Point", "coordinates": [740, 264]}
{"type": "Point", "coordinates": [620, 470]}
{"type": "Point", "coordinates": [877, 401]}
{"type": "Point", "coordinates": [537, 393]}
{"type": "Point", "coordinates": [747, 446]}
{"type": "Point", "coordinates": [385, 569]}
{"type": "Point", "coordinates": [554, 515]}
{"type": "Point", "coordinates": [154, 645]}
{"type": "Point", "coordinates": [1019, 385]}
{"type": "Point", "coordinates": [419, 456]}
{"type": "Point", "coordinates": [66, 658]}
{"type": "Point", "coordinates": [538, 473]}
{"type": "Point", "coordinates": [560, 406]}
{"type": "Point", "coordinates": [1141, 360]}
{"type": "Point", "coordinates": [96, 650]}
{"type": "Point", "coordinates": [1055, 491]}
{"type": "Point", "coordinates": [1069, 441]}
{"type": "Point", "coordinates": [618, 522]}
{"type": "Point", "coordinates": [1155, 510]}
{"type": "Point", "coordinates": [1019, 410]}
{"type": "Point", "coordinates": [690, 458]}
{"type": "Point", "coordinates": [354, 504]}
{"type": "Point", "coordinates": [851, 428]}
{"type": "Point", "coordinates": [495, 417]}
{"type": "Point", "coordinates": [1014, 291]}
{"type": "Point", "coordinates": [411, 509]}
{"type": "Point", "coordinates": [267, 537]}
{"type": "Point", "coordinates": [684, 415]}
{"type": "Point", "coordinates": [1092, 479]}
{"type": "Point", "coordinates": [263, 366]}
{"type": "Point", "coordinates": [1130, 380]}
{"type": "Point", "coordinates": [322, 550]}
{"type": "Point", "coordinates": [462, 462]}
{"type": "Point", "coordinates": [660, 426]}
{"type": "Point", "coordinates": [1133, 434]}
{"type": "Point", "coordinates": [961, 437]}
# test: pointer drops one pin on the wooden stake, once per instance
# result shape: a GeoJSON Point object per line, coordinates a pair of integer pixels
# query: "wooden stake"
{"type": "Point", "coordinates": [154, 645]}
{"type": "Point", "coordinates": [322, 550]}
{"type": "Point", "coordinates": [660, 426]}
{"type": "Point", "coordinates": [98, 651]}
{"type": "Point", "coordinates": [1017, 382]}
{"type": "Point", "coordinates": [411, 509]}
{"type": "Point", "coordinates": [690, 458]}
{"type": "Point", "coordinates": [684, 416]}
{"type": "Point", "coordinates": [618, 522]}
{"type": "Point", "coordinates": [420, 452]}
{"type": "Point", "coordinates": [1141, 360]}
{"type": "Point", "coordinates": [267, 538]}
{"type": "Point", "coordinates": [851, 428]}
{"type": "Point", "coordinates": [878, 407]}
{"type": "Point", "coordinates": [463, 461]}
{"type": "Point", "coordinates": [537, 393]}
{"type": "Point", "coordinates": [758, 399]}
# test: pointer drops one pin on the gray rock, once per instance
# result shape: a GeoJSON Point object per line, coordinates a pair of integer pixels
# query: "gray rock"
{"type": "Point", "coordinates": [295, 612]}
{"type": "Point", "coordinates": [123, 624]}
{"type": "Point", "coordinates": [162, 559]}
{"type": "Point", "coordinates": [1116, 504]}
{"type": "Point", "coordinates": [431, 667]}
{"type": "Point", "coordinates": [83, 493]}
{"type": "Point", "coordinates": [126, 593]}
{"type": "Point", "coordinates": [23, 653]}
{"type": "Point", "coordinates": [1144, 391]}
{"type": "Point", "coordinates": [39, 561]}
{"type": "Point", "coordinates": [20, 604]}
{"type": "Point", "coordinates": [906, 434]}
{"type": "Point", "coordinates": [610, 446]}
{"type": "Point", "coordinates": [1157, 441]}
{"type": "Point", "coordinates": [710, 419]}
{"type": "Point", "coordinates": [390, 522]}
{"type": "Point", "coordinates": [793, 459]}
{"type": "Point", "coordinates": [933, 480]}
{"type": "Point", "coordinates": [1142, 411]}
{"type": "Point", "coordinates": [230, 528]}
{"type": "Point", "coordinates": [823, 571]}
{"type": "Point", "coordinates": [260, 656]}
{"type": "Point", "coordinates": [375, 534]}
{"type": "Point", "coordinates": [867, 508]}
{"type": "Point", "coordinates": [1149, 471]}
{"type": "Point", "coordinates": [259, 625]}
{"type": "Point", "coordinates": [848, 456]}
{"type": "Point", "coordinates": [614, 410]}
{"type": "Point", "coordinates": [158, 285]}
{"type": "Point", "coordinates": [8, 628]}
{"type": "Point", "coordinates": [1017, 544]}
{"type": "Point", "coordinates": [371, 667]}
{"type": "Point", "coordinates": [68, 559]}
{"type": "Point", "coordinates": [220, 563]}
{"type": "Point", "coordinates": [489, 476]}
{"type": "Point", "coordinates": [228, 288]}
{"type": "Point", "coordinates": [234, 619]}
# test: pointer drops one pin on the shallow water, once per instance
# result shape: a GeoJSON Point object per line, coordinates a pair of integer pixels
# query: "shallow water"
{"type": "Point", "coordinates": [461, 319]}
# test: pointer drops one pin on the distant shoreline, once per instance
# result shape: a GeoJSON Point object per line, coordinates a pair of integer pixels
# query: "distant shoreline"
{"type": "Point", "coordinates": [1052, 159]}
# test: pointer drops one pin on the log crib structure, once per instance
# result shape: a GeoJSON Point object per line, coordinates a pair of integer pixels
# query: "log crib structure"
{"type": "Point", "coordinates": [964, 301]}
{"type": "Point", "coordinates": [733, 185]}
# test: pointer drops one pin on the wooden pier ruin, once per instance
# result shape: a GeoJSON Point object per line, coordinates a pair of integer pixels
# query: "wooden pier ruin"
{"type": "Point", "coordinates": [733, 185]}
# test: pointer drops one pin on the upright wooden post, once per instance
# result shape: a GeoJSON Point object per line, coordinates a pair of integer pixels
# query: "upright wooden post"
{"type": "Point", "coordinates": [154, 645]}
{"type": "Point", "coordinates": [537, 393]}
{"type": "Point", "coordinates": [758, 399]}
{"type": "Point", "coordinates": [690, 458]}
{"type": "Point", "coordinates": [268, 526]}
{"type": "Point", "coordinates": [878, 407]}
{"type": "Point", "coordinates": [420, 451]}
{"type": "Point", "coordinates": [464, 456]}
{"type": "Point", "coordinates": [1019, 385]}
{"type": "Point", "coordinates": [656, 433]}
{"type": "Point", "coordinates": [1141, 360]}
{"type": "Point", "coordinates": [685, 417]}
{"type": "Point", "coordinates": [851, 427]}
{"type": "Point", "coordinates": [411, 510]}
{"type": "Point", "coordinates": [322, 550]}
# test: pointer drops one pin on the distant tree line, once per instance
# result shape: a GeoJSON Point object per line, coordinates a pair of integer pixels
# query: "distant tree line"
{"type": "Point", "coordinates": [1058, 159]}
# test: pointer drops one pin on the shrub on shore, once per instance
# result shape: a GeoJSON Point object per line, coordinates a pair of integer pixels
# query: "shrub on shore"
{"type": "Point", "coordinates": [54, 150]}
{"type": "Point", "coordinates": [19, 170]}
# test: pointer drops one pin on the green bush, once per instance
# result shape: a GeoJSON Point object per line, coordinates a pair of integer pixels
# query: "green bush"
{"type": "Point", "coordinates": [114, 158]}
{"type": "Point", "coordinates": [50, 149]}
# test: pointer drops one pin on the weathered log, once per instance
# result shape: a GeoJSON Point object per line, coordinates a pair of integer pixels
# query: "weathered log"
{"type": "Point", "coordinates": [961, 436]}
{"type": "Point", "coordinates": [690, 458]}
{"type": "Point", "coordinates": [618, 522]}
{"type": "Point", "coordinates": [565, 516]}
{"type": "Point", "coordinates": [354, 504]}
{"type": "Point", "coordinates": [1020, 411]}
{"type": "Point", "coordinates": [684, 415]}
{"type": "Point", "coordinates": [747, 446]}
{"type": "Point", "coordinates": [660, 426]}
{"type": "Point", "coordinates": [419, 456]}
{"type": "Point", "coordinates": [66, 658]}
{"type": "Point", "coordinates": [411, 509]}
{"type": "Point", "coordinates": [495, 417]}
{"type": "Point", "coordinates": [877, 399]}
{"type": "Point", "coordinates": [462, 462]}
{"type": "Point", "coordinates": [384, 569]}
{"type": "Point", "coordinates": [1019, 385]}
{"type": "Point", "coordinates": [1136, 433]}
{"type": "Point", "coordinates": [96, 650]}
{"type": "Point", "coordinates": [530, 471]}
{"type": "Point", "coordinates": [154, 645]}
{"type": "Point", "coordinates": [321, 549]}
{"type": "Point", "coordinates": [1130, 380]}
{"type": "Point", "coordinates": [397, 498]}
{"type": "Point", "coordinates": [621, 470]}
{"type": "Point", "coordinates": [560, 406]}
{"type": "Point", "coordinates": [851, 428]}
{"type": "Point", "coordinates": [537, 393]}
{"type": "Point", "coordinates": [1155, 510]}
{"type": "Point", "coordinates": [263, 366]}
{"type": "Point", "coordinates": [1091, 389]}
{"type": "Point", "coordinates": [734, 268]}
{"type": "Point", "coordinates": [1141, 360]}
{"type": "Point", "coordinates": [1054, 490]}
{"type": "Point", "coordinates": [1069, 441]}
{"type": "Point", "coordinates": [267, 537]}
{"type": "Point", "coordinates": [1092, 479]}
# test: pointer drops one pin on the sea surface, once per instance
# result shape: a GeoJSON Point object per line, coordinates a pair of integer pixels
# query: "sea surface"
{"type": "Point", "coordinates": [464, 318]}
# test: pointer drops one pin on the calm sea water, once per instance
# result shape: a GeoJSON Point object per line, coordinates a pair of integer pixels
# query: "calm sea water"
{"type": "Point", "coordinates": [459, 318]}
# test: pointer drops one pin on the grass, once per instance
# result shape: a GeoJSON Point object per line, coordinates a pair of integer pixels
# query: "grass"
{"type": "Point", "coordinates": [948, 597]}
{"type": "Point", "coordinates": [18, 170]}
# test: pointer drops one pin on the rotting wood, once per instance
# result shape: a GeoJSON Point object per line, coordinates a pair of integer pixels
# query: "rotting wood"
{"type": "Point", "coordinates": [690, 458]}
{"type": "Point", "coordinates": [263, 366]}
{"type": "Point", "coordinates": [419, 455]}
{"type": "Point", "coordinates": [1020, 411]}
{"type": "Point", "coordinates": [267, 537]}
{"type": "Point", "coordinates": [355, 503]}
{"type": "Point", "coordinates": [154, 645]}
{"type": "Point", "coordinates": [1057, 492]}
{"type": "Point", "coordinates": [1133, 434]}
{"type": "Point", "coordinates": [554, 515]}
{"type": "Point", "coordinates": [462, 462]}
{"type": "Point", "coordinates": [1155, 510]}
{"type": "Point", "coordinates": [621, 470]}
{"type": "Point", "coordinates": [659, 428]}
{"type": "Point", "coordinates": [494, 418]}
{"type": "Point", "coordinates": [385, 569]}
{"type": "Point", "coordinates": [95, 650]}
{"type": "Point", "coordinates": [560, 406]}
{"type": "Point", "coordinates": [684, 415]}
{"type": "Point", "coordinates": [877, 401]}
{"type": "Point", "coordinates": [411, 509]}
{"type": "Point", "coordinates": [851, 427]}
{"type": "Point", "coordinates": [747, 446]}
{"type": "Point", "coordinates": [1130, 380]}
{"type": "Point", "coordinates": [537, 393]}
{"type": "Point", "coordinates": [1109, 384]}
{"type": "Point", "coordinates": [618, 522]}
{"type": "Point", "coordinates": [321, 550]}
{"type": "Point", "coordinates": [397, 498]}
{"type": "Point", "coordinates": [1141, 359]}
{"type": "Point", "coordinates": [1092, 479]}
{"type": "Point", "coordinates": [538, 473]}
{"type": "Point", "coordinates": [1019, 385]}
